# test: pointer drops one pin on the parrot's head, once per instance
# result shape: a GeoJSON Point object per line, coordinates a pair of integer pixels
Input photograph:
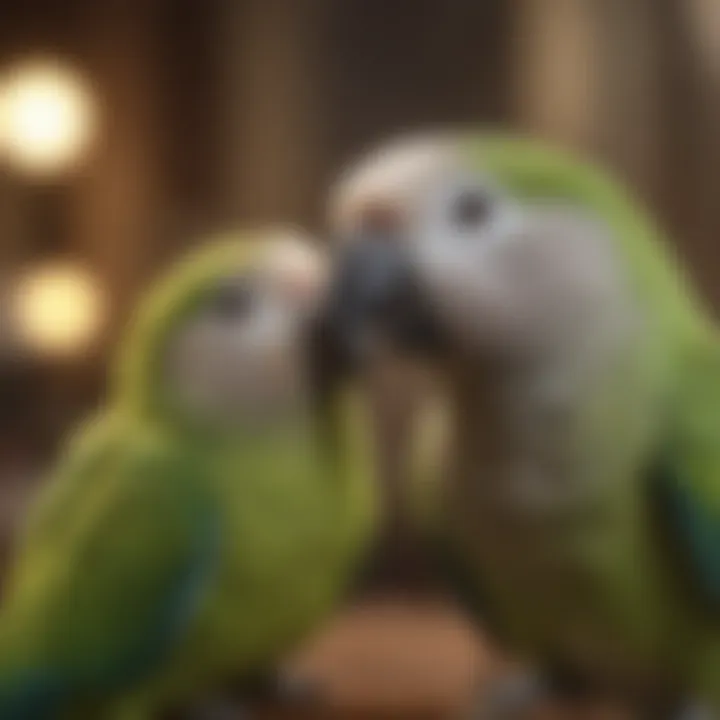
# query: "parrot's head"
{"type": "Point", "coordinates": [222, 339]}
{"type": "Point", "coordinates": [469, 245]}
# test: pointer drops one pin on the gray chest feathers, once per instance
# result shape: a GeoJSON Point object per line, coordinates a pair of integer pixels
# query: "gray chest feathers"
{"type": "Point", "coordinates": [521, 490]}
{"type": "Point", "coordinates": [524, 456]}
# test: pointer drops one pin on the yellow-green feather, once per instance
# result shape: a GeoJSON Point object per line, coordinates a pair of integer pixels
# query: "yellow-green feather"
{"type": "Point", "coordinates": [293, 521]}
{"type": "Point", "coordinates": [650, 568]}
{"type": "Point", "coordinates": [536, 170]}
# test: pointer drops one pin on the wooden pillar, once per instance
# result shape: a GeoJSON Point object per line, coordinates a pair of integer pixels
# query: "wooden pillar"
{"type": "Point", "coordinates": [119, 202]}
{"type": "Point", "coordinates": [557, 70]}
{"type": "Point", "coordinates": [10, 253]}
{"type": "Point", "coordinates": [705, 25]}
{"type": "Point", "coordinates": [690, 146]}
{"type": "Point", "coordinates": [630, 92]}
{"type": "Point", "coordinates": [11, 206]}
{"type": "Point", "coordinates": [270, 97]}
{"type": "Point", "coordinates": [703, 18]}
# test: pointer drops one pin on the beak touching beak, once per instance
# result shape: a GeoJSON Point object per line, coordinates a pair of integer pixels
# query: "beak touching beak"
{"type": "Point", "coordinates": [375, 297]}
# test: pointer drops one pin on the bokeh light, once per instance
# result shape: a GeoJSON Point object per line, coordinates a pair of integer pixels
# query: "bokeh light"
{"type": "Point", "coordinates": [58, 309]}
{"type": "Point", "coordinates": [47, 117]}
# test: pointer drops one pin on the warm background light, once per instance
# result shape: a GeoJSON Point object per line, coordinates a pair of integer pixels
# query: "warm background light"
{"type": "Point", "coordinates": [47, 117]}
{"type": "Point", "coordinates": [58, 310]}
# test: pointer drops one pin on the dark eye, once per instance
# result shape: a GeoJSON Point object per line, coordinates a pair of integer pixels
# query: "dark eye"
{"type": "Point", "coordinates": [232, 302]}
{"type": "Point", "coordinates": [471, 209]}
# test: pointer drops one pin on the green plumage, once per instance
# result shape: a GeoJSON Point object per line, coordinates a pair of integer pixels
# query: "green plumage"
{"type": "Point", "coordinates": [167, 555]}
{"type": "Point", "coordinates": [535, 171]}
{"type": "Point", "coordinates": [578, 460]}
{"type": "Point", "coordinates": [628, 588]}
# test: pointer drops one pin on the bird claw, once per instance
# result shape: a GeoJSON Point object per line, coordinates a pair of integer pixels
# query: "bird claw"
{"type": "Point", "coordinates": [217, 709]}
{"type": "Point", "coordinates": [695, 711]}
{"type": "Point", "coordinates": [295, 690]}
{"type": "Point", "coordinates": [281, 688]}
{"type": "Point", "coordinates": [510, 698]}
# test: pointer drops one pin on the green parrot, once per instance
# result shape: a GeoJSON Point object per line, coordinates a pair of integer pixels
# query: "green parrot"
{"type": "Point", "coordinates": [578, 496]}
{"type": "Point", "coordinates": [210, 517]}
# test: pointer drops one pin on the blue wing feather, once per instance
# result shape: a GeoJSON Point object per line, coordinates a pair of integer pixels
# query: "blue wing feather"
{"type": "Point", "coordinates": [697, 529]}
{"type": "Point", "coordinates": [36, 690]}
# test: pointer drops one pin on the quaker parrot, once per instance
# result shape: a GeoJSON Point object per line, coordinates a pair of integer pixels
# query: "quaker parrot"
{"type": "Point", "coordinates": [580, 489]}
{"type": "Point", "coordinates": [210, 516]}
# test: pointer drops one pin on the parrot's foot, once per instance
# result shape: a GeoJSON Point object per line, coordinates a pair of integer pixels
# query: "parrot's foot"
{"type": "Point", "coordinates": [282, 688]}
{"type": "Point", "coordinates": [291, 689]}
{"type": "Point", "coordinates": [675, 710]}
{"type": "Point", "coordinates": [694, 711]}
{"type": "Point", "coordinates": [217, 709]}
{"type": "Point", "coordinates": [510, 698]}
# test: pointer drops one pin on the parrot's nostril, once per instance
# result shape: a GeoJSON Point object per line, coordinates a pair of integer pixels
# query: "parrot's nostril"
{"type": "Point", "coordinates": [380, 219]}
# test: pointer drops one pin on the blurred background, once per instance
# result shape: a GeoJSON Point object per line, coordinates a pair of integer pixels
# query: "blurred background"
{"type": "Point", "coordinates": [130, 127]}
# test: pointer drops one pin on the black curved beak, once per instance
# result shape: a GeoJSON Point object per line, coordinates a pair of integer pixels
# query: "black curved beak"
{"type": "Point", "coordinates": [375, 297]}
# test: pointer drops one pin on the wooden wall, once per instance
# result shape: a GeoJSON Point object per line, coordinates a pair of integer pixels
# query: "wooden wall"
{"type": "Point", "coordinates": [220, 111]}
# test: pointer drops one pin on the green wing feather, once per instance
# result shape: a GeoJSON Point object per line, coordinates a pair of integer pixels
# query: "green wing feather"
{"type": "Point", "coordinates": [104, 604]}
{"type": "Point", "coordinates": [688, 480]}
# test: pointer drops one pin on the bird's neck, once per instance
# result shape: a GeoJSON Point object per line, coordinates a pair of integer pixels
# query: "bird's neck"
{"type": "Point", "coordinates": [252, 429]}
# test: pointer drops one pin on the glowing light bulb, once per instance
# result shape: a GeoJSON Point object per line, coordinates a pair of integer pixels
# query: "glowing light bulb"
{"type": "Point", "coordinates": [47, 117]}
{"type": "Point", "coordinates": [58, 309]}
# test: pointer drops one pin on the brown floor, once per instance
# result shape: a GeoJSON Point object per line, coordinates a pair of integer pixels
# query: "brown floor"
{"type": "Point", "coordinates": [390, 659]}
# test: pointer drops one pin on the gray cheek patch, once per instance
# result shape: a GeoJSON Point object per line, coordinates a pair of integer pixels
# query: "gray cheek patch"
{"type": "Point", "coordinates": [552, 273]}
{"type": "Point", "coordinates": [226, 373]}
{"type": "Point", "coordinates": [197, 369]}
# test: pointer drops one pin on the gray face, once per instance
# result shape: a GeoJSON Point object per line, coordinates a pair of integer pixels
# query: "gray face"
{"type": "Point", "coordinates": [527, 300]}
{"type": "Point", "coordinates": [239, 356]}
{"type": "Point", "coordinates": [501, 275]}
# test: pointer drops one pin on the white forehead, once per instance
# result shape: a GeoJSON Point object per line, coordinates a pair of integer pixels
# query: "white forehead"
{"type": "Point", "coordinates": [294, 252]}
{"type": "Point", "coordinates": [392, 174]}
{"type": "Point", "coordinates": [293, 258]}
